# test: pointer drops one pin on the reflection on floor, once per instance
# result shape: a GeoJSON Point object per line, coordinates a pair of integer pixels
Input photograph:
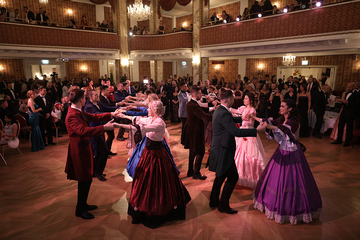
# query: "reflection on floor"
{"type": "Point", "coordinates": [37, 202]}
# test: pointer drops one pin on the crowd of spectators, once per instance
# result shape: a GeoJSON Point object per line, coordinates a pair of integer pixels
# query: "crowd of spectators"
{"type": "Point", "coordinates": [41, 18]}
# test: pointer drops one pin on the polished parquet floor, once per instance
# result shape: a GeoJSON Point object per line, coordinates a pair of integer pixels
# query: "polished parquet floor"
{"type": "Point", "coordinates": [37, 202]}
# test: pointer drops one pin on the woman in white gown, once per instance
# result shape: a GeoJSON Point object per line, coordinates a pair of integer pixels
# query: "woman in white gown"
{"type": "Point", "coordinates": [250, 158]}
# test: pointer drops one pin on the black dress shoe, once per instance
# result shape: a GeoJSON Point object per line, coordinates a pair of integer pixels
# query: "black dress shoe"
{"type": "Point", "coordinates": [318, 136]}
{"type": "Point", "coordinates": [84, 214]}
{"type": "Point", "coordinates": [109, 157]}
{"type": "Point", "coordinates": [91, 207]}
{"type": "Point", "coordinates": [213, 204]}
{"type": "Point", "coordinates": [346, 144]}
{"type": "Point", "coordinates": [101, 177]}
{"type": "Point", "coordinates": [336, 142]}
{"type": "Point", "coordinates": [200, 177]}
{"type": "Point", "coordinates": [46, 145]}
{"type": "Point", "coordinates": [52, 143]}
{"type": "Point", "coordinates": [104, 175]}
{"type": "Point", "coordinates": [120, 138]}
{"type": "Point", "coordinates": [111, 153]}
{"type": "Point", "coordinates": [228, 210]}
{"type": "Point", "coordinates": [190, 174]}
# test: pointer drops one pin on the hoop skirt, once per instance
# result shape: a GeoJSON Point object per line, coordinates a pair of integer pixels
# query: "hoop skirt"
{"type": "Point", "coordinates": [287, 190]}
{"type": "Point", "coordinates": [157, 195]}
{"type": "Point", "coordinates": [250, 158]}
{"type": "Point", "coordinates": [136, 155]}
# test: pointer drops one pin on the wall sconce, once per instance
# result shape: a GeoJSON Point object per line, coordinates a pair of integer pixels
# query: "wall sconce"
{"type": "Point", "coordinates": [184, 24]}
{"type": "Point", "coordinates": [124, 62]}
{"type": "Point", "coordinates": [217, 67]}
{"type": "Point", "coordinates": [2, 2]}
{"type": "Point", "coordinates": [1, 68]}
{"type": "Point", "coordinates": [131, 62]}
{"type": "Point", "coordinates": [84, 68]}
{"type": "Point", "coordinates": [69, 11]}
{"type": "Point", "coordinates": [196, 60]}
{"type": "Point", "coordinates": [260, 66]}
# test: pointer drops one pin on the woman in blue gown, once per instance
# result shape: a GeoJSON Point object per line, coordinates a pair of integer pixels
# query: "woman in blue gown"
{"type": "Point", "coordinates": [37, 142]}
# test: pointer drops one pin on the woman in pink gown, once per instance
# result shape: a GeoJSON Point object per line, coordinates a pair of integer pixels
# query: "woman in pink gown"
{"type": "Point", "coordinates": [250, 158]}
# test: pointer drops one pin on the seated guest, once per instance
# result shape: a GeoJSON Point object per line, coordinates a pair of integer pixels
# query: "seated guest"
{"type": "Point", "coordinates": [29, 15]}
{"type": "Point", "coordinates": [255, 9]}
{"type": "Point", "coordinates": [3, 109]}
{"type": "Point", "coordinates": [161, 27]}
{"type": "Point", "coordinates": [275, 10]}
{"type": "Point", "coordinates": [267, 8]}
{"type": "Point", "coordinates": [295, 6]}
{"type": "Point", "coordinates": [71, 24]}
{"type": "Point", "coordinates": [41, 17]}
{"type": "Point", "coordinates": [104, 26]}
{"type": "Point", "coordinates": [84, 22]}
{"type": "Point", "coordinates": [24, 111]}
{"type": "Point", "coordinates": [214, 18]}
{"type": "Point", "coordinates": [10, 128]}
{"type": "Point", "coordinates": [225, 16]}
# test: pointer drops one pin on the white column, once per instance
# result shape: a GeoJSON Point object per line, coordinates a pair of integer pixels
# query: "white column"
{"type": "Point", "coordinates": [135, 71]}
{"type": "Point", "coordinates": [100, 15]}
{"type": "Point", "coordinates": [173, 22]}
{"type": "Point", "coordinates": [159, 70]}
{"type": "Point", "coordinates": [103, 66]}
{"type": "Point", "coordinates": [242, 67]}
{"type": "Point", "coordinates": [152, 70]}
{"type": "Point", "coordinates": [174, 65]}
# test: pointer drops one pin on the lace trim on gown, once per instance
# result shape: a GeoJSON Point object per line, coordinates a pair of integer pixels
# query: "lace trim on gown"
{"type": "Point", "coordinates": [272, 215]}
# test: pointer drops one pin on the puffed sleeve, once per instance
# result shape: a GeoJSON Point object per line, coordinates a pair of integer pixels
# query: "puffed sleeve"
{"type": "Point", "coordinates": [241, 109]}
{"type": "Point", "coordinates": [284, 136]}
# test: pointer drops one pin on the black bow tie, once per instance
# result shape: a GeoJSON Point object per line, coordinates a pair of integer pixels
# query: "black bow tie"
{"type": "Point", "coordinates": [43, 97]}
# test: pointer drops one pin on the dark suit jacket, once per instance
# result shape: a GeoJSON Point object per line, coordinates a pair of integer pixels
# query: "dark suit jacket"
{"type": "Point", "coordinates": [7, 92]}
{"type": "Point", "coordinates": [194, 127]}
{"type": "Point", "coordinates": [119, 96]}
{"type": "Point", "coordinates": [132, 91]}
{"type": "Point", "coordinates": [31, 15]}
{"type": "Point", "coordinates": [351, 109]}
{"type": "Point", "coordinates": [107, 102]}
{"type": "Point", "coordinates": [92, 109]}
{"type": "Point", "coordinates": [165, 88]}
{"type": "Point", "coordinates": [204, 91]}
{"type": "Point", "coordinates": [45, 18]}
{"type": "Point", "coordinates": [320, 102]}
{"type": "Point", "coordinates": [45, 109]}
{"type": "Point", "coordinates": [223, 145]}
{"type": "Point", "coordinates": [17, 88]}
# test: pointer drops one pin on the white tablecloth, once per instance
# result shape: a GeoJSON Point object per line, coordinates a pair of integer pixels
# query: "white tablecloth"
{"type": "Point", "coordinates": [329, 120]}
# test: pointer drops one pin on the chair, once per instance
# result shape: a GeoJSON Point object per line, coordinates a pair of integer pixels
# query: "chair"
{"type": "Point", "coordinates": [1, 125]}
{"type": "Point", "coordinates": [23, 125]}
{"type": "Point", "coordinates": [56, 129]}
{"type": "Point", "coordinates": [356, 132]}
{"type": "Point", "coordinates": [3, 145]}
{"type": "Point", "coordinates": [0, 153]}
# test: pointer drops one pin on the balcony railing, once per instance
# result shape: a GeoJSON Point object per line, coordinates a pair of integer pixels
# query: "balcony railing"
{"type": "Point", "coordinates": [161, 42]}
{"type": "Point", "coordinates": [327, 19]}
{"type": "Point", "coordinates": [34, 35]}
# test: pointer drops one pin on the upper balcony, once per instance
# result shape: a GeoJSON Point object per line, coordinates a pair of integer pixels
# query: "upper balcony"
{"type": "Point", "coordinates": [326, 20]}
{"type": "Point", "coordinates": [17, 34]}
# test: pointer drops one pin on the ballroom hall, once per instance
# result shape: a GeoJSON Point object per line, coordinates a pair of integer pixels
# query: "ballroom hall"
{"type": "Point", "coordinates": [125, 51]}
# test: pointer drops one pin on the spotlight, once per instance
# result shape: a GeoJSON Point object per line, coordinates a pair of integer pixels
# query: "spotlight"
{"type": "Point", "coordinates": [237, 19]}
{"type": "Point", "coordinates": [259, 15]}
{"type": "Point", "coordinates": [224, 21]}
{"type": "Point", "coordinates": [130, 33]}
{"type": "Point", "coordinates": [285, 10]}
{"type": "Point", "coordinates": [318, 4]}
{"type": "Point", "coordinates": [303, 6]}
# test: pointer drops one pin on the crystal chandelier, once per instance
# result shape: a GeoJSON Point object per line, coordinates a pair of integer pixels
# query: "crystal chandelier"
{"type": "Point", "coordinates": [43, 1]}
{"type": "Point", "coordinates": [288, 60]}
{"type": "Point", "coordinates": [138, 11]}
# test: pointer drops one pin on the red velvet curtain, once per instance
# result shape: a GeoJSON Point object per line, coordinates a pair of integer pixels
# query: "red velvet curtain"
{"type": "Point", "coordinates": [112, 3]}
{"type": "Point", "coordinates": [167, 5]}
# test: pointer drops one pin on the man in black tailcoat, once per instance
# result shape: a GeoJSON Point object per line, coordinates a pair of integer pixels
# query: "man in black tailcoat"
{"type": "Point", "coordinates": [45, 121]}
{"type": "Point", "coordinates": [222, 151]}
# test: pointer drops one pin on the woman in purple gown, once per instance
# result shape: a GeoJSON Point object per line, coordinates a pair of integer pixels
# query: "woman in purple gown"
{"type": "Point", "coordinates": [287, 190]}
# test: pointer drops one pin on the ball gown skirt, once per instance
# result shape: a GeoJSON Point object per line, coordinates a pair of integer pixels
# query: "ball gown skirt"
{"type": "Point", "coordinates": [250, 160]}
{"type": "Point", "coordinates": [136, 154]}
{"type": "Point", "coordinates": [37, 142]}
{"type": "Point", "coordinates": [157, 193]}
{"type": "Point", "coordinates": [334, 132]}
{"type": "Point", "coordinates": [287, 190]}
